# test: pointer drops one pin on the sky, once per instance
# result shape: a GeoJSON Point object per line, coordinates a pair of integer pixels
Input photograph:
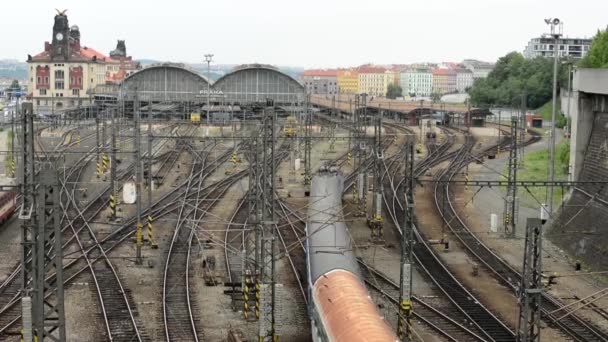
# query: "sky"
{"type": "Point", "coordinates": [309, 33]}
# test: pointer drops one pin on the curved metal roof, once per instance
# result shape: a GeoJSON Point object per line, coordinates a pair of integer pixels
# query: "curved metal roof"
{"type": "Point", "coordinates": [258, 66]}
{"type": "Point", "coordinates": [255, 83]}
{"type": "Point", "coordinates": [178, 66]}
{"type": "Point", "coordinates": [166, 82]}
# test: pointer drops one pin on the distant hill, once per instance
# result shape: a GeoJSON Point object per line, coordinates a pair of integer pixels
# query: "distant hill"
{"type": "Point", "coordinates": [13, 69]}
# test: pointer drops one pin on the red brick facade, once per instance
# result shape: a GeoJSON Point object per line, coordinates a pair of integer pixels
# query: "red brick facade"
{"type": "Point", "coordinates": [43, 77]}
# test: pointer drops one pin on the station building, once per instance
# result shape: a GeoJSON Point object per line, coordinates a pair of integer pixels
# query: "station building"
{"type": "Point", "coordinates": [66, 74]}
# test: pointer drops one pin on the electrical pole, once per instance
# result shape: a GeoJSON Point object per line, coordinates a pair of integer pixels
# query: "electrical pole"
{"type": "Point", "coordinates": [307, 142]}
{"type": "Point", "coordinates": [208, 59]}
{"type": "Point", "coordinates": [253, 237]}
{"type": "Point", "coordinates": [404, 328]}
{"type": "Point", "coordinates": [376, 221]}
{"type": "Point", "coordinates": [522, 127]}
{"type": "Point", "coordinates": [49, 313]}
{"type": "Point", "coordinates": [361, 148]}
{"type": "Point", "coordinates": [41, 244]}
{"type": "Point", "coordinates": [530, 291]}
{"type": "Point", "coordinates": [138, 178]}
{"type": "Point", "coordinates": [511, 201]}
{"type": "Point", "coordinates": [29, 225]}
{"type": "Point", "coordinates": [267, 290]}
{"type": "Point", "coordinates": [13, 159]}
{"type": "Point", "coordinates": [150, 180]}
{"type": "Point", "coordinates": [556, 34]}
{"type": "Point", "coordinates": [97, 150]}
{"type": "Point", "coordinates": [113, 162]}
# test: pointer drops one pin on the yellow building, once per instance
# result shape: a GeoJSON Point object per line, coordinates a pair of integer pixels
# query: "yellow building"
{"type": "Point", "coordinates": [348, 81]}
{"type": "Point", "coordinates": [374, 81]}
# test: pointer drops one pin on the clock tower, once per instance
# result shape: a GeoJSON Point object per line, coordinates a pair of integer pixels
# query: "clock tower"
{"type": "Point", "coordinates": [61, 37]}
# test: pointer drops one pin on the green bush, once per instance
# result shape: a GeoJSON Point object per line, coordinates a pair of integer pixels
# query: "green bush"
{"type": "Point", "coordinates": [563, 153]}
{"type": "Point", "coordinates": [561, 121]}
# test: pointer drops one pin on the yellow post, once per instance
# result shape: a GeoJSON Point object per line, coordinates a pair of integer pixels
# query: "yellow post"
{"type": "Point", "coordinates": [113, 205]}
{"type": "Point", "coordinates": [150, 235]}
{"type": "Point", "coordinates": [139, 235]}
{"type": "Point", "coordinates": [257, 297]}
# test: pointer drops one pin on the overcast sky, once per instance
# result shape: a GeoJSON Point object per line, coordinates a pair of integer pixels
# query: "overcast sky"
{"type": "Point", "coordinates": [309, 33]}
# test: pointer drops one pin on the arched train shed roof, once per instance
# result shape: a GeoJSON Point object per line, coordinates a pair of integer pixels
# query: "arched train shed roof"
{"type": "Point", "coordinates": [165, 82]}
{"type": "Point", "coordinates": [255, 83]}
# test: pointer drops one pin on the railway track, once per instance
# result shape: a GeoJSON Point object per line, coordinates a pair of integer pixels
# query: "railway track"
{"type": "Point", "coordinates": [574, 326]}
{"type": "Point", "coordinates": [424, 313]}
{"type": "Point", "coordinates": [491, 327]}
{"type": "Point", "coordinates": [180, 316]}
{"type": "Point", "coordinates": [9, 314]}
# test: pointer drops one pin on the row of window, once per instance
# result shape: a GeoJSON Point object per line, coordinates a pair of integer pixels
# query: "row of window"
{"type": "Point", "coordinates": [75, 92]}
{"type": "Point", "coordinates": [57, 104]}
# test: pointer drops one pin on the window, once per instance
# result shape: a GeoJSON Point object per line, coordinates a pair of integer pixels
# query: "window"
{"type": "Point", "coordinates": [42, 91]}
{"type": "Point", "coordinates": [59, 84]}
{"type": "Point", "coordinates": [76, 92]}
{"type": "Point", "coordinates": [59, 74]}
{"type": "Point", "coordinates": [46, 80]}
{"type": "Point", "coordinates": [37, 102]}
{"type": "Point", "coordinates": [38, 79]}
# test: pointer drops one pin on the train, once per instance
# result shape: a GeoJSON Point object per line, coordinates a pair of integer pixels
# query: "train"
{"type": "Point", "coordinates": [8, 205]}
{"type": "Point", "coordinates": [341, 308]}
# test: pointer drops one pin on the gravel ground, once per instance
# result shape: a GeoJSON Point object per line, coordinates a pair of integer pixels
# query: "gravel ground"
{"type": "Point", "coordinates": [554, 259]}
{"type": "Point", "coordinates": [495, 296]}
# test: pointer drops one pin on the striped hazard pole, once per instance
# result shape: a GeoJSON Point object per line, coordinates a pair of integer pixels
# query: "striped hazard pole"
{"type": "Point", "coordinates": [112, 206]}
{"type": "Point", "coordinates": [150, 236]}
{"type": "Point", "coordinates": [105, 162]}
{"type": "Point", "coordinates": [98, 169]}
{"type": "Point", "coordinates": [246, 295]}
{"type": "Point", "coordinates": [139, 234]}
{"type": "Point", "coordinates": [13, 166]}
{"type": "Point", "coordinates": [257, 297]}
{"type": "Point", "coordinates": [349, 157]}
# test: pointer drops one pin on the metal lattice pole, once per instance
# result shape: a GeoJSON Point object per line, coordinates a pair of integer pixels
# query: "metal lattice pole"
{"type": "Point", "coordinates": [48, 308]}
{"type": "Point", "coordinates": [113, 162]}
{"type": "Point", "coordinates": [530, 291]}
{"type": "Point", "coordinates": [97, 150]}
{"type": "Point", "coordinates": [361, 148]}
{"type": "Point", "coordinates": [138, 179]}
{"type": "Point", "coordinates": [27, 216]}
{"type": "Point", "coordinates": [404, 328]}
{"type": "Point", "coordinates": [150, 180]}
{"type": "Point", "coordinates": [308, 142]}
{"type": "Point", "coordinates": [510, 212]}
{"type": "Point", "coordinates": [376, 220]}
{"type": "Point", "coordinates": [267, 322]}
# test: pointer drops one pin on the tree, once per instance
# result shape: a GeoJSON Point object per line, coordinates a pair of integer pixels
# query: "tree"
{"type": "Point", "coordinates": [394, 91]}
{"type": "Point", "coordinates": [15, 85]}
{"type": "Point", "coordinates": [597, 57]}
{"type": "Point", "coordinates": [512, 75]}
{"type": "Point", "coordinates": [435, 97]}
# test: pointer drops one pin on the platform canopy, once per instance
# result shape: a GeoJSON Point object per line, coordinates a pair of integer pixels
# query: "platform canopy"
{"type": "Point", "coordinates": [254, 83]}
{"type": "Point", "coordinates": [166, 82]}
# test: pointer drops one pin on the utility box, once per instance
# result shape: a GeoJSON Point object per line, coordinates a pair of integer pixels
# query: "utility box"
{"type": "Point", "coordinates": [534, 121]}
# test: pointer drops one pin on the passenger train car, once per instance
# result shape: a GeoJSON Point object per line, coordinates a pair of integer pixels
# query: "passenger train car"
{"type": "Point", "coordinates": [341, 309]}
